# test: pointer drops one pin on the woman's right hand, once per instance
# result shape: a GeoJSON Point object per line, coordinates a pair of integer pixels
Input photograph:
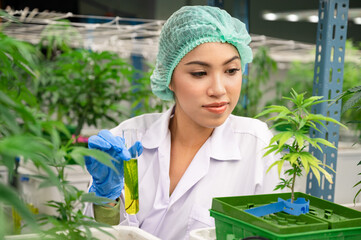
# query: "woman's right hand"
{"type": "Point", "coordinates": [106, 182]}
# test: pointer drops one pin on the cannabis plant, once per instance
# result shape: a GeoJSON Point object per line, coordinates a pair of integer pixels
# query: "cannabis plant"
{"type": "Point", "coordinates": [294, 140]}
{"type": "Point", "coordinates": [33, 136]}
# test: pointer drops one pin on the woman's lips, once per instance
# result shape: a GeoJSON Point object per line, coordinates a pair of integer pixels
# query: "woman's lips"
{"type": "Point", "coordinates": [217, 108]}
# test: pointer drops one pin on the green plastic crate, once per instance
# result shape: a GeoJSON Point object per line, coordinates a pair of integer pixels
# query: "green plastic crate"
{"type": "Point", "coordinates": [326, 220]}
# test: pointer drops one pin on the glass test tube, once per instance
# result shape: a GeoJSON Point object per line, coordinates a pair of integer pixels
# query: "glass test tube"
{"type": "Point", "coordinates": [131, 173]}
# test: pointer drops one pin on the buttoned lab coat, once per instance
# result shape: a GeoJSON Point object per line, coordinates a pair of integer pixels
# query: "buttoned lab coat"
{"type": "Point", "coordinates": [229, 163]}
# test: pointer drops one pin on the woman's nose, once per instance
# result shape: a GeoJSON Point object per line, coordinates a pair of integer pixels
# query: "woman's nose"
{"type": "Point", "coordinates": [216, 87]}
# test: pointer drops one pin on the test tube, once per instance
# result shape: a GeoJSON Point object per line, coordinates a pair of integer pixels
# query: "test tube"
{"type": "Point", "coordinates": [131, 173]}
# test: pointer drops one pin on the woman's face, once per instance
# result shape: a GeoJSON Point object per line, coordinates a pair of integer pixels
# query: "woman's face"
{"type": "Point", "coordinates": [207, 84]}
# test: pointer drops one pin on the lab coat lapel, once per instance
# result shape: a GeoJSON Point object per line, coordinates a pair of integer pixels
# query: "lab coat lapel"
{"type": "Point", "coordinates": [224, 144]}
{"type": "Point", "coordinates": [196, 170]}
{"type": "Point", "coordinates": [157, 132]}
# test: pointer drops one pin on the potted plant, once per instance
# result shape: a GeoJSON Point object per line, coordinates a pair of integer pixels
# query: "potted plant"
{"type": "Point", "coordinates": [273, 215]}
{"type": "Point", "coordinates": [294, 140]}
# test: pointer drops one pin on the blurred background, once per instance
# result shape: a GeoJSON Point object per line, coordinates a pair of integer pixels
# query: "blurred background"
{"type": "Point", "coordinates": [87, 63]}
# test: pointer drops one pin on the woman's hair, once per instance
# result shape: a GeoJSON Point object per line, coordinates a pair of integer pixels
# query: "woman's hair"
{"type": "Point", "coordinates": [189, 27]}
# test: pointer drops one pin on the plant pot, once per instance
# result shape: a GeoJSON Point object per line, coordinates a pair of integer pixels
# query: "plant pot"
{"type": "Point", "coordinates": [326, 220]}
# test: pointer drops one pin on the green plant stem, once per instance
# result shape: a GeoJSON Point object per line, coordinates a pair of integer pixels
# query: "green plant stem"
{"type": "Point", "coordinates": [295, 145]}
{"type": "Point", "coordinates": [293, 186]}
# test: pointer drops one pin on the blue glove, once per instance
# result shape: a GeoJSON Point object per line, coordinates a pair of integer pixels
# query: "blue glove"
{"type": "Point", "coordinates": [106, 182]}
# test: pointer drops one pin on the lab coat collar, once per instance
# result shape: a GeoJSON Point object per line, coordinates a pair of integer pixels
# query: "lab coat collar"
{"type": "Point", "coordinates": [224, 143]}
{"type": "Point", "coordinates": [223, 140]}
{"type": "Point", "coordinates": [158, 131]}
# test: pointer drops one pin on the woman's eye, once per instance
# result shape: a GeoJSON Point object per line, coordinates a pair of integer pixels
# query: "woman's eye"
{"type": "Point", "coordinates": [198, 74]}
{"type": "Point", "coordinates": [233, 70]}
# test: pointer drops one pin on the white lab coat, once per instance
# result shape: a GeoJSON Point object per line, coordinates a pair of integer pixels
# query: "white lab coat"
{"type": "Point", "coordinates": [229, 163]}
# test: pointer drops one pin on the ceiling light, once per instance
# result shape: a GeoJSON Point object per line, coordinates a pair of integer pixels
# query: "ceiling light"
{"type": "Point", "coordinates": [292, 18]}
{"type": "Point", "coordinates": [357, 20]}
{"type": "Point", "coordinates": [270, 16]}
{"type": "Point", "coordinates": [313, 18]}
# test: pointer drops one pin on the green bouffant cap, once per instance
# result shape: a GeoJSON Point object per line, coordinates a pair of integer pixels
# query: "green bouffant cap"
{"type": "Point", "coordinates": [189, 27]}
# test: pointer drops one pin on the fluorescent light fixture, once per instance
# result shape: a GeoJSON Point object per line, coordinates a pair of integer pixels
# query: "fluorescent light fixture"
{"type": "Point", "coordinates": [357, 20]}
{"type": "Point", "coordinates": [270, 16]}
{"type": "Point", "coordinates": [313, 18]}
{"type": "Point", "coordinates": [292, 17]}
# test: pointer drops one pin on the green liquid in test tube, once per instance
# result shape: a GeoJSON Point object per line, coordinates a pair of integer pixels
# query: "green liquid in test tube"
{"type": "Point", "coordinates": [131, 174]}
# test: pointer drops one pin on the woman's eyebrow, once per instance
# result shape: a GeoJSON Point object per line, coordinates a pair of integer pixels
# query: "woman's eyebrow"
{"type": "Point", "coordinates": [230, 60]}
{"type": "Point", "coordinates": [198, 63]}
{"type": "Point", "coordinates": [208, 65]}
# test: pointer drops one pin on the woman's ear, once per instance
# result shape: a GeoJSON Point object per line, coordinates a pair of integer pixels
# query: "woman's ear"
{"type": "Point", "coordinates": [170, 86]}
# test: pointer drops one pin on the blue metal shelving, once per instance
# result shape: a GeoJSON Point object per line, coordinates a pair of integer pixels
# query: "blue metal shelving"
{"type": "Point", "coordinates": [328, 80]}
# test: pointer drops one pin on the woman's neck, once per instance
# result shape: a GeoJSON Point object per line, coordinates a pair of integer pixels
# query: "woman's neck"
{"type": "Point", "coordinates": [186, 132]}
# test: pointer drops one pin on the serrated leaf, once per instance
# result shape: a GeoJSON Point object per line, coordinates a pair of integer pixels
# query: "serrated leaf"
{"type": "Point", "coordinates": [272, 109]}
{"type": "Point", "coordinates": [276, 137]}
{"type": "Point", "coordinates": [314, 144]}
{"type": "Point", "coordinates": [299, 139]}
{"type": "Point", "coordinates": [326, 166]}
{"type": "Point", "coordinates": [79, 153]}
{"type": "Point", "coordinates": [284, 138]}
{"type": "Point", "coordinates": [326, 174]}
{"type": "Point", "coordinates": [351, 101]}
{"type": "Point", "coordinates": [316, 173]}
{"type": "Point", "coordinates": [279, 164]}
{"type": "Point", "coordinates": [91, 197]}
{"type": "Point", "coordinates": [271, 149]}
{"type": "Point", "coordinates": [324, 142]}
{"type": "Point", "coordinates": [306, 159]}
{"type": "Point", "coordinates": [291, 157]}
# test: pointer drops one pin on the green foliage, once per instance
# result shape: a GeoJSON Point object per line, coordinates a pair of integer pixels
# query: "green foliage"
{"type": "Point", "coordinates": [33, 136]}
{"type": "Point", "coordinates": [81, 87]}
{"type": "Point", "coordinates": [260, 69]}
{"type": "Point", "coordinates": [300, 78]}
{"type": "Point", "coordinates": [357, 184]}
{"type": "Point", "coordinates": [353, 105]}
{"type": "Point", "coordinates": [18, 61]}
{"type": "Point", "coordinates": [38, 141]}
{"type": "Point", "coordinates": [141, 96]}
{"type": "Point", "coordinates": [38, 94]}
{"type": "Point", "coordinates": [354, 100]}
{"type": "Point", "coordinates": [293, 141]}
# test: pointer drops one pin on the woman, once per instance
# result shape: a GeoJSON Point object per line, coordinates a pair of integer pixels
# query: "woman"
{"type": "Point", "coordinates": [196, 150]}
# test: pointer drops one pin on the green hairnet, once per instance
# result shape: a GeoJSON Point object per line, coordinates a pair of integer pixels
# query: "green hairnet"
{"type": "Point", "coordinates": [189, 27]}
